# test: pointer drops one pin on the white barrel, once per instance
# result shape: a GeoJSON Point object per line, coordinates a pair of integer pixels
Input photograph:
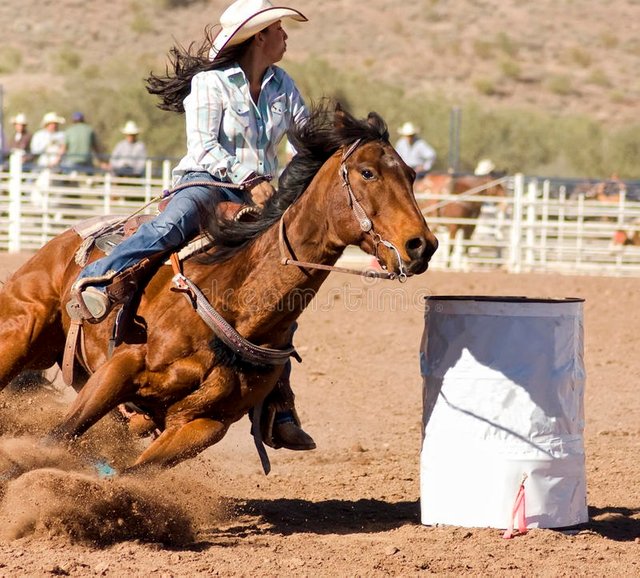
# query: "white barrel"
{"type": "Point", "coordinates": [503, 381]}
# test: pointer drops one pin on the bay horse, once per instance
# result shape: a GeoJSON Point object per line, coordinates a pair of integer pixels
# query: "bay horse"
{"type": "Point", "coordinates": [467, 208]}
{"type": "Point", "coordinates": [346, 186]}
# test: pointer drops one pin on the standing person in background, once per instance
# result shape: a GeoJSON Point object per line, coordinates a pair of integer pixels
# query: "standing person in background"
{"type": "Point", "coordinates": [485, 167]}
{"type": "Point", "coordinates": [21, 139]}
{"type": "Point", "coordinates": [238, 106]}
{"type": "Point", "coordinates": [129, 156]}
{"type": "Point", "coordinates": [80, 146]}
{"type": "Point", "coordinates": [415, 151]}
{"type": "Point", "coordinates": [47, 143]}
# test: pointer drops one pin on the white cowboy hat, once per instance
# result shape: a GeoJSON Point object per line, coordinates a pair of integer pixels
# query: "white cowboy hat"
{"type": "Point", "coordinates": [244, 18]}
{"type": "Point", "coordinates": [20, 118]}
{"type": "Point", "coordinates": [407, 129]}
{"type": "Point", "coordinates": [130, 127]}
{"type": "Point", "coordinates": [52, 117]}
{"type": "Point", "coordinates": [485, 167]}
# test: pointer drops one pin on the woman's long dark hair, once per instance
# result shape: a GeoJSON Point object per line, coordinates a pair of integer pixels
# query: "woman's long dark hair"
{"type": "Point", "coordinates": [184, 63]}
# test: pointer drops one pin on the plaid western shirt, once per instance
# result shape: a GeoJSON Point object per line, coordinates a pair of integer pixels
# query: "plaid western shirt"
{"type": "Point", "coordinates": [230, 136]}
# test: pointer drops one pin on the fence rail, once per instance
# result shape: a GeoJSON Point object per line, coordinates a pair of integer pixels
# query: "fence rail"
{"type": "Point", "coordinates": [37, 206]}
{"type": "Point", "coordinates": [542, 228]}
{"type": "Point", "coordinates": [539, 226]}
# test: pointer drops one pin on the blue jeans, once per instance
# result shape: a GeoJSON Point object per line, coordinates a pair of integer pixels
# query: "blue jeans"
{"type": "Point", "coordinates": [175, 226]}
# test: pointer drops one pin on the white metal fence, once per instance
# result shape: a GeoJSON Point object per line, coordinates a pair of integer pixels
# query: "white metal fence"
{"type": "Point", "coordinates": [37, 206]}
{"type": "Point", "coordinates": [536, 227]}
{"type": "Point", "coordinates": [540, 228]}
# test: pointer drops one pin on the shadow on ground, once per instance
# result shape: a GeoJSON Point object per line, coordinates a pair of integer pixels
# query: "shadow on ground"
{"type": "Point", "coordinates": [615, 523]}
{"type": "Point", "coordinates": [292, 516]}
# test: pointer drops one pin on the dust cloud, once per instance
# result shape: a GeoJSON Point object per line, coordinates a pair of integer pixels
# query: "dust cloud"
{"type": "Point", "coordinates": [54, 492]}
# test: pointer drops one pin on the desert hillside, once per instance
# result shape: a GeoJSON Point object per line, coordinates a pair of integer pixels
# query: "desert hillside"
{"type": "Point", "coordinates": [556, 57]}
{"type": "Point", "coordinates": [556, 54]}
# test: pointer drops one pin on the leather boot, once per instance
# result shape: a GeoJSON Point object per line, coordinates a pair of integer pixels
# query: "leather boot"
{"type": "Point", "coordinates": [288, 434]}
{"type": "Point", "coordinates": [279, 422]}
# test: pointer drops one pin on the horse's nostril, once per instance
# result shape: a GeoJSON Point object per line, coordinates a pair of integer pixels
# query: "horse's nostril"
{"type": "Point", "coordinates": [415, 247]}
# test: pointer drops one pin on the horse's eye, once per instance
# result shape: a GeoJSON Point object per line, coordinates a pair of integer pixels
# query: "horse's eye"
{"type": "Point", "coordinates": [367, 175]}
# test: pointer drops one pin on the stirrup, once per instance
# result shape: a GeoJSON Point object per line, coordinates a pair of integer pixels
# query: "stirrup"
{"type": "Point", "coordinates": [98, 307]}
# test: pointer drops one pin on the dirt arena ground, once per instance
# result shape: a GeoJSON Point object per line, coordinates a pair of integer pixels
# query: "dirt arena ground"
{"type": "Point", "coordinates": [351, 507]}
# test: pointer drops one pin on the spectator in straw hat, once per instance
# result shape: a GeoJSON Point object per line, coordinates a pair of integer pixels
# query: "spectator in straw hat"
{"type": "Point", "coordinates": [47, 143]}
{"type": "Point", "coordinates": [21, 140]}
{"type": "Point", "coordinates": [415, 151]}
{"type": "Point", "coordinates": [484, 168]}
{"type": "Point", "coordinates": [238, 106]}
{"type": "Point", "coordinates": [129, 156]}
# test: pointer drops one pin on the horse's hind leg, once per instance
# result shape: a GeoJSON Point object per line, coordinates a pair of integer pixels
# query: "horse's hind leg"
{"type": "Point", "coordinates": [31, 335]}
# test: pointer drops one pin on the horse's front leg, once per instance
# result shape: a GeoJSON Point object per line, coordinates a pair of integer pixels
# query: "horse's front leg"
{"type": "Point", "coordinates": [109, 386]}
{"type": "Point", "coordinates": [179, 443]}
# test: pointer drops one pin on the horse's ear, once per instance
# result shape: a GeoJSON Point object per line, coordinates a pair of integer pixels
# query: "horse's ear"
{"type": "Point", "coordinates": [339, 116]}
{"type": "Point", "coordinates": [376, 121]}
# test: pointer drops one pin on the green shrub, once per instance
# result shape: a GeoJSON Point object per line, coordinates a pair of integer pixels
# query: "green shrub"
{"type": "Point", "coordinates": [560, 84]}
{"type": "Point", "coordinates": [483, 49]}
{"type": "Point", "coordinates": [580, 56]}
{"type": "Point", "coordinates": [66, 61]}
{"type": "Point", "coordinates": [10, 59]}
{"type": "Point", "coordinates": [599, 78]}
{"type": "Point", "coordinates": [510, 69]}
{"type": "Point", "coordinates": [507, 44]}
{"type": "Point", "coordinates": [485, 86]}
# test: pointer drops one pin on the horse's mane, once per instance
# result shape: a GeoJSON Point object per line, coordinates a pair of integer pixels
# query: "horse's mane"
{"type": "Point", "coordinates": [327, 129]}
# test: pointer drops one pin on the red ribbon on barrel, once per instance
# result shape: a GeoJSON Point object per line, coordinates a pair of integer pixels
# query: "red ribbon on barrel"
{"type": "Point", "coordinates": [518, 513]}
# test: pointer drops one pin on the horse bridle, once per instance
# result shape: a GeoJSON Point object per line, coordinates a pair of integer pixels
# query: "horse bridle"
{"type": "Point", "coordinates": [366, 225]}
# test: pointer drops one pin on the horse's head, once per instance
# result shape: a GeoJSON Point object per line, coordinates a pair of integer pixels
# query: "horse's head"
{"type": "Point", "coordinates": [380, 213]}
{"type": "Point", "coordinates": [360, 193]}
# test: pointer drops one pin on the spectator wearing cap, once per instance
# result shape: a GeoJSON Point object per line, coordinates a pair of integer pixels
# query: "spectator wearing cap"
{"type": "Point", "coordinates": [47, 143]}
{"type": "Point", "coordinates": [129, 156]}
{"type": "Point", "coordinates": [80, 145]}
{"type": "Point", "coordinates": [415, 151]}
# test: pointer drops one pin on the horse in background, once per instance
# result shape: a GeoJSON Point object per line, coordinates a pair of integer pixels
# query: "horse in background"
{"type": "Point", "coordinates": [467, 186]}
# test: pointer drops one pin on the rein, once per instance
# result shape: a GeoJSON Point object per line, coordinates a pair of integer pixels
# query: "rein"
{"type": "Point", "coordinates": [366, 225]}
